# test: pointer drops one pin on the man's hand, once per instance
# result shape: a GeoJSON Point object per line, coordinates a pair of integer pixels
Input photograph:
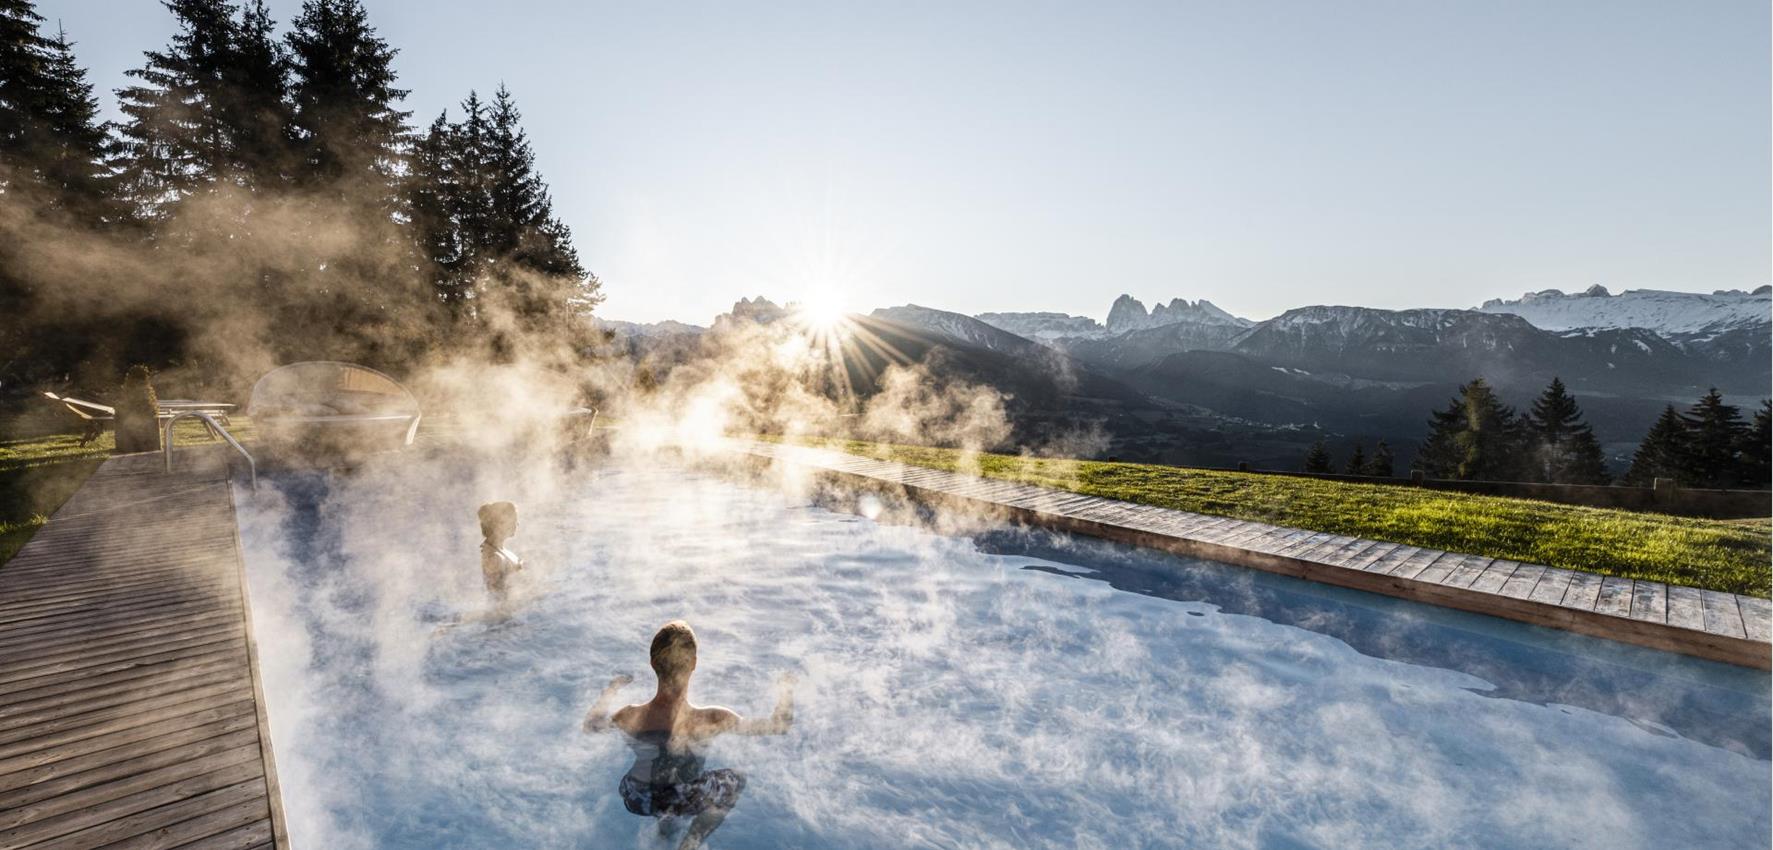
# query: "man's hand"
{"type": "Point", "coordinates": [783, 716]}
{"type": "Point", "coordinates": [598, 718]}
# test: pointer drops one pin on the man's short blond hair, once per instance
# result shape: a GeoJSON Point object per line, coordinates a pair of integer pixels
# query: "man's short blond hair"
{"type": "Point", "coordinates": [674, 650]}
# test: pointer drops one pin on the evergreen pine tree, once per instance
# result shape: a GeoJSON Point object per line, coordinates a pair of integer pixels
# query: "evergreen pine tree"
{"type": "Point", "coordinates": [350, 139]}
{"type": "Point", "coordinates": [1318, 458]}
{"type": "Point", "coordinates": [1715, 435]}
{"type": "Point", "coordinates": [1488, 440]}
{"type": "Point", "coordinates": [345, 104]}
{"type": "Point", "coordinates": [52, 143]}
{"type": "Point", "coordinates": [53, 173]}
{"type": "Point", "coordinates": [525, 233]}
{"type": "Point", "coordinates": [175, 139]}
{"type": "Point", "coordinates": [1357, 462]}
{"type": "Point", "coordinates": [1563, 448]}
{"type": "Point", "coordinates": [430, 195]}
{"type": "Point", "coordinates": [1439, 455]}
{"type": "Point", "coordinates": [1381, 463]}
{"type": "Point", "coordinates": [483, 219]}
{"type": "Point", "coordinates": [24, 61]}
{"type": "Point", "coordinates": [254, 101]}
{"type": "Point", "coordinates": [24, 77]}
{"type": "Point", "coordinates": [1757, 450]}
{"type": "Point", "coordinates": [1663, 453]}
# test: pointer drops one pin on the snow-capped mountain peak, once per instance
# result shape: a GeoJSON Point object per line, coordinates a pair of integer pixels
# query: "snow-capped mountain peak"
{"type": "Point", "coordinates": [1657, 310]}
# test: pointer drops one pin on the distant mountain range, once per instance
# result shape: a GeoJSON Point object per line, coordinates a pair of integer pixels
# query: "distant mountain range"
{"type": "Point", "coordinates": [1215, 387]}
{"type": "Point", "coordinates": [1125, 315]}
{"type": "Point", "coordinates": [1663, 312]}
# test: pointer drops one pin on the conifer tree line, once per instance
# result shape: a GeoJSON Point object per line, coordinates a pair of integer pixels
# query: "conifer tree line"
{"type": "Point", "coordinates": [1477, 437]}
{"type": "Point", "coordinates": [271, 170]}
{"type": "Point", "coordinates": [1318, 460]}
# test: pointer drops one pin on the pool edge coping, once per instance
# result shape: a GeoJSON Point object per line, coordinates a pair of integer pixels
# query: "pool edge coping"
{"type": "Point", "coordinates": [1047, 511]}
{"type": "Point", "coordinates": [273, 786]}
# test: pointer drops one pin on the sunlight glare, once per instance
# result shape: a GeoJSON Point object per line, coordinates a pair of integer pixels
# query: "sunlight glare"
{"type": "Point", "coordinates": [822, 311]}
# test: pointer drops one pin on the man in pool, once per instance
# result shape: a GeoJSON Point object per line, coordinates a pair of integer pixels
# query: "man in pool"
{"type": "Point", "coordinates": [668, 735]}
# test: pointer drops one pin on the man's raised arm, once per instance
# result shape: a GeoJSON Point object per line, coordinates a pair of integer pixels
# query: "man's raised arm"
{"type": "Point", "coordinates": [599, 717]}
{"type": "Point", "coordinates": [780, 719]}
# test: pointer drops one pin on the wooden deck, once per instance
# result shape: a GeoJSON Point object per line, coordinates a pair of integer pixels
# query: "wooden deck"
{"type": "Point", "coordinates": [130, 713]}
{"type": "Point", "coordinates": [1708, 624]}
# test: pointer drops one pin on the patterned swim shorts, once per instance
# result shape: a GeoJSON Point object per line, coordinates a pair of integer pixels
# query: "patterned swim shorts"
{"type": "Point", "coordinates": [716, 789]}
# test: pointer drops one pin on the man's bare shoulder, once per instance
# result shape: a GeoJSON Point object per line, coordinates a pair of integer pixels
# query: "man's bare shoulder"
{"type": "Point", "coordinates": [716, 718]}
{"type": "Point", "coordinates": [627, 717]}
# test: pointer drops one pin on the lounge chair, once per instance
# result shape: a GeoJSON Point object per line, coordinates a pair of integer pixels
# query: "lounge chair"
{"type": "Point", "coordinates": [324, 410]}
{"type": "Point", "coordinates": [95, 415]}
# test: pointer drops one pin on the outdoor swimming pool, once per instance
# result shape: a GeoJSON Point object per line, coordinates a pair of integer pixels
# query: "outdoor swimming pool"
{"type": "Point", "coordinates": [1010, 689]}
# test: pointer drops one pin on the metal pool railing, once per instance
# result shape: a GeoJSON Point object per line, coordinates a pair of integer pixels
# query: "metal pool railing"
{"type": "Point", "coordinates": [252, 467]}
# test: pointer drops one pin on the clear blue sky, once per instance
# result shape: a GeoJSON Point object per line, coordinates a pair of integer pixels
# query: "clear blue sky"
{"type": "Point", "coordinates": [982, 156]}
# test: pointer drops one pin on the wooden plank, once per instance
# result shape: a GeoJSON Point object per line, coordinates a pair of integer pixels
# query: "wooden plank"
{"type": "Point", "coordinates": [180, 823]}
{"type": "Point", "coordinates": [69, 661]}
{"type": "Point", "coordinates": [1352, 552]}
{"type": "Point", "coordinates": [1389, 562]}
{"type": "Point", "coordinates": [129, 707]}
{"type": "Point", "coordinates": [125, 732]}
{"type": "Point", "coordinates": [1521, 582]}
{"type": "Point", "coordinates": [1317, 553]}
{"type": "Point", "coordinates": [1467, 570]}
{"type": "Point", "coordinates": [129, 766]}
{"type": "Point", "coordinates": [1246, 532]}
{"type": "Point", "coordinates": [1584, 592]}
{"type": "Point", "coordinates": [1649, 601]}
{"type": "Point", "coordinates": [1722, 617]}
{"type": "Point", "coordinates": [1685, 608]}
{"type": "Point", "coordinates": [20, 736]}
{"type": "Point", "coordinates": [1275, 539]}
{"type": "Point", "coordinates": [1757, 617]}
{"type": "Point", "coordinates": [54, 651]}
{"type": "Point", "coordinates": [1494, 576]}
{"type": "Point", "coordinates": [125, 621]}
{"type": "Point", "coordinates": [1615, 597]}
{"type": "Point", "coordinates": [1552, 584]}
{"type": "Point", "coordinates": [101, 804]}
{"type": "Point", "coordinates": [74, 688]}
{"type": "Point", "coordinates": [244, 838]}
{"type": "Point", "coordinates": [1412, 566]}
{"type": "Point", "coordinates": [1302, 544]}
{"type": "Point", "coordinates": [1371, 556]}
{"type": "Point", "coordinates": [38, 774]}
{"type": "Point", "coordinates": [120, 693]}
{"type": "Point", "coordinates": [1437, 571]}
{"type": "Point", "coordinates": [155, 654]}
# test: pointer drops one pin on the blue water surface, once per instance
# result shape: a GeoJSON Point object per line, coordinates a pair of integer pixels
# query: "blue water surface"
{"type": "Point", "coordinates": [994, 688]}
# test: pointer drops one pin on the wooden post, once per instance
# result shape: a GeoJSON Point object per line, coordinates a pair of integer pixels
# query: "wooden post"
{"type": "Point", "coordinates": [1417, 477]}
{"type": "Point", "coordinates": [1243, 466]}
{"type": "Point", "coordinates": [1664, 491]}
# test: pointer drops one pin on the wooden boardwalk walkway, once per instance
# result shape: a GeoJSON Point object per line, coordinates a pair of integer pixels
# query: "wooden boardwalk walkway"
{"type": "Point", "coordinates": [130, 714]}
{"type": "Point", "coordinates": [1720, 626]}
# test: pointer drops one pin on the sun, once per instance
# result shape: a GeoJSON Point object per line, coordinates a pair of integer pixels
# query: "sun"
{"type": "Point", "coordinates": [822, 311]}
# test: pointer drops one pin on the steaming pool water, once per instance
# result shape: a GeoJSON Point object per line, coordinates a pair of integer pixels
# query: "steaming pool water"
{"type": "Point", "coordinates": [1009, 688]}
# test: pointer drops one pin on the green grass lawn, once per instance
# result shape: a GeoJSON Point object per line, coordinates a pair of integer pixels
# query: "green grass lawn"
{"type": "Point", "coordinates": [38, 474]}
{"type": "Point", "coordinates": [1721, 555]}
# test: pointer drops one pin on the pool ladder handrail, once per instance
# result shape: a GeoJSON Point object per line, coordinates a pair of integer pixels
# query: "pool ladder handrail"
{"type": "Point", "coordinates": [252, 467]}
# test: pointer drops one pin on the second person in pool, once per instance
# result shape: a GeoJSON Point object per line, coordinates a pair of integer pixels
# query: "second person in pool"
{"type": "Point", "coordinates": [498, 523]}
{"type": "Point", "coordinates": [668, 735]}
